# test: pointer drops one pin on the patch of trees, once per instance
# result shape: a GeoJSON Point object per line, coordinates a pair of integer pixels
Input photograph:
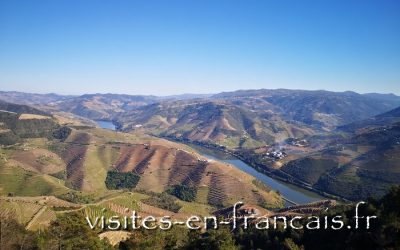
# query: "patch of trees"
{"type": "Point", "coordinates": [76, 197]}
{"type": "Point", "coordinates": [180, 238]}
{"type": "Point", "coordinates": [309, 169]}
{"type": "Point", "coordinates": [14, 235]}
{"type": "Point", "coordinates": [118, 180]}
{"type": "Point", "coordinates": [7, 137]}
{"type": "Point", "coordinates": [356, 188]}
{"type": "Point", "coordinates": [384, 231]}
{"type": "Point", "coordinates": [62, 175]}
{"type": "Point", "coordinates": [62, 133]}
{"type": "Point", "coordinates": [164, 201]}
{"type": "Point", "coordinates": [183, 192]}
{"type": "Point", "coordinates": [35, 128]}
{"type": "Point", "coordinates": [70, 231]}
{"type": "Point", "coordinates": [155, 239]}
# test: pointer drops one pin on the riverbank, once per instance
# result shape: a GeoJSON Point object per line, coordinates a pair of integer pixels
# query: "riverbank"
{"type": "Point", "coordinates": [271, 173]}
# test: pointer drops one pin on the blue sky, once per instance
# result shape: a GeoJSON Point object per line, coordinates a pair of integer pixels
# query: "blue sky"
{"type": "Point", "coordinates": [172, 47]}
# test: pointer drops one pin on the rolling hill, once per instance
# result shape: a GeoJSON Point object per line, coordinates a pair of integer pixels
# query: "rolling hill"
{"type": "Point", "coordinates": [253, 118]}
{"type": "Point", "coordinates": [82, 161]}
{"type": "Point", "coordinates": [30, 98]}
{"type": "Point", "coordinates": [216, 122]}
{"type": "Point", "coordinates": [92, 106]}
{"type": "Point", "coordinates": [361, 165]}
{"type": "Point", "coordinates": [101, 106]}
{"type": "Point", "coordinates": [386, 118]}
{"type": "Point", "coordinates": [256, 123]}
{"type": "Point", "coordinates": [16, 108]}
{"type": "Point", "coordinates": [323, 109]}
{"type": "Point", "coordinates": [21, 121]}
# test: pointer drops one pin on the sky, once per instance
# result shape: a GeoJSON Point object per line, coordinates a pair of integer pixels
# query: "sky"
{"type": "Point", "coordinates": [173, 47]}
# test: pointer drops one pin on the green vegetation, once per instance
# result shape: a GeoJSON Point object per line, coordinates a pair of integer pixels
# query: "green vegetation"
{"type": "Point", "coordinates": [77, 197]}
{"type": "Point", "coordinates": [21, 182]}
{"type": "Point", "coordinates": [126, 200]}
{"type": "Point", "coordinates": [117, 180]}
{"type": "Point", "coordinates": [85, 160]}
{"type": "Point", "coordinates": [15, 236]}
{"type": "Point", "coordinates": [164, 201]}
{"type": "Point", "coordinates": [7, 137]}
{"type": "Point", "coordinates": [95, 173]}
{"type": "Point", "coordinates": [93, 211]}
{"type": "Point", "coordinates": [70, 231]}
{"type": "Point", "coordinates": [221, 239]}
{"type": "Point", "coordinates": [175, 238]}
{"type": "Point", "coordinates": [62, 175]}
{"type": "Point", "coordinates": [62, 133]}
{"type": "Point", "coordinates": [384, 232]}
{"type": "Point", "coordinates": [195, 208]}
{"type": "Point", "coordinates": [183, 192]}
{"type": "Point", "coordinates": [309, 169]}
{"type": "Point", "coordinates": [202, 194]}
{"type": "Point", "coordinates": [261, 185]}
{"type": "Point", "coordinates": [22, 212]}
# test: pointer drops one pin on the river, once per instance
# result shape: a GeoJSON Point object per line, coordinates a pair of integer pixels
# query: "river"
{"type": "Point", "coordinates": [288, 191]}
{"type": "Point", "coordinates": [106, 125]}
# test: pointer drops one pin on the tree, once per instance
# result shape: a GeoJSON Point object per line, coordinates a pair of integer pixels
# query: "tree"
{"type": "Point", "coordinates": [13, 235]}
{"type": "Point", "coordinates": [70, 231]}
{"type": "Point", "coordinates": [219, 239]}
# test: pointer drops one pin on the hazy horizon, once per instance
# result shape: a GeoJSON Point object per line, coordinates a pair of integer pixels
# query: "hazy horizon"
{"type": "Point", "coordinates": [181, 94]}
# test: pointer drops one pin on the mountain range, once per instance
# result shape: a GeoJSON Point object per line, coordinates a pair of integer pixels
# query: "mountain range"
{"type": "Point", "coordinates": [341, 143]}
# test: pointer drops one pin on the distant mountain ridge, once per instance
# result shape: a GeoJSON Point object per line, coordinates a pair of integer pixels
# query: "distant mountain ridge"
{"type": "Point", "coordinates": [240, 118]}
{"type": "Point", "coordinates": [16, 108]}
{"type": "Point", "coordinates": [218, 122]}
{"type": "Point", "coordinates": [31, 98]}
{"type": "Point", "coordinates": [93, 106]}
{"type": "Point", "coordinates": [251, 118]}
{"type": "Point", "coordinates": [344, 143]}
{"type": "Point", "coordinates": [320, 107]}
{"type": "Point", "coordinates": [364, 162]}
{"type": "Point", "coordinates": [22, 121]}
{"type": "Point", "coordinates": [385, 119]}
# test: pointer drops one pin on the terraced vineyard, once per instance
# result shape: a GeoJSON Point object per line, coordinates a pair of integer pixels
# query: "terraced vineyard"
{"type": "Point", "coordinates": [75, 168]}
{"type": "Point", "coordinates": [35, 212]}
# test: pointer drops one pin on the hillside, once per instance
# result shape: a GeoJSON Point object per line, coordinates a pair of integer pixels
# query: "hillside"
{"type": "Point", "coordinates": [21, 121]}
{"type": "Point", "coordinates": [92, 106]}
{"type": "Point", "coordinates": [288, 133]}
{"type": "Point", "coordinates": [101, 106]}
{"type": "Point", "coordinates": [319, 109]}
{"type": "Point", "coordinates": [324, 109]}
{"type": "Point", "coordinates": [386, 118]}
{"type": "Point", "coordinates": [83, 161]}
{"type": "Point", "coordinates": [30, 98]}
{"type": "Point", "coordinates": [359, 166]}
{"type": "Point", "coordinates": [17, 108]}
{"type": "Point", "coordinates": [90, 172]}
{"type": "Point", "coordinates": [215, 122]}
{"type": "Point", "coordinates": [253, 118]}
